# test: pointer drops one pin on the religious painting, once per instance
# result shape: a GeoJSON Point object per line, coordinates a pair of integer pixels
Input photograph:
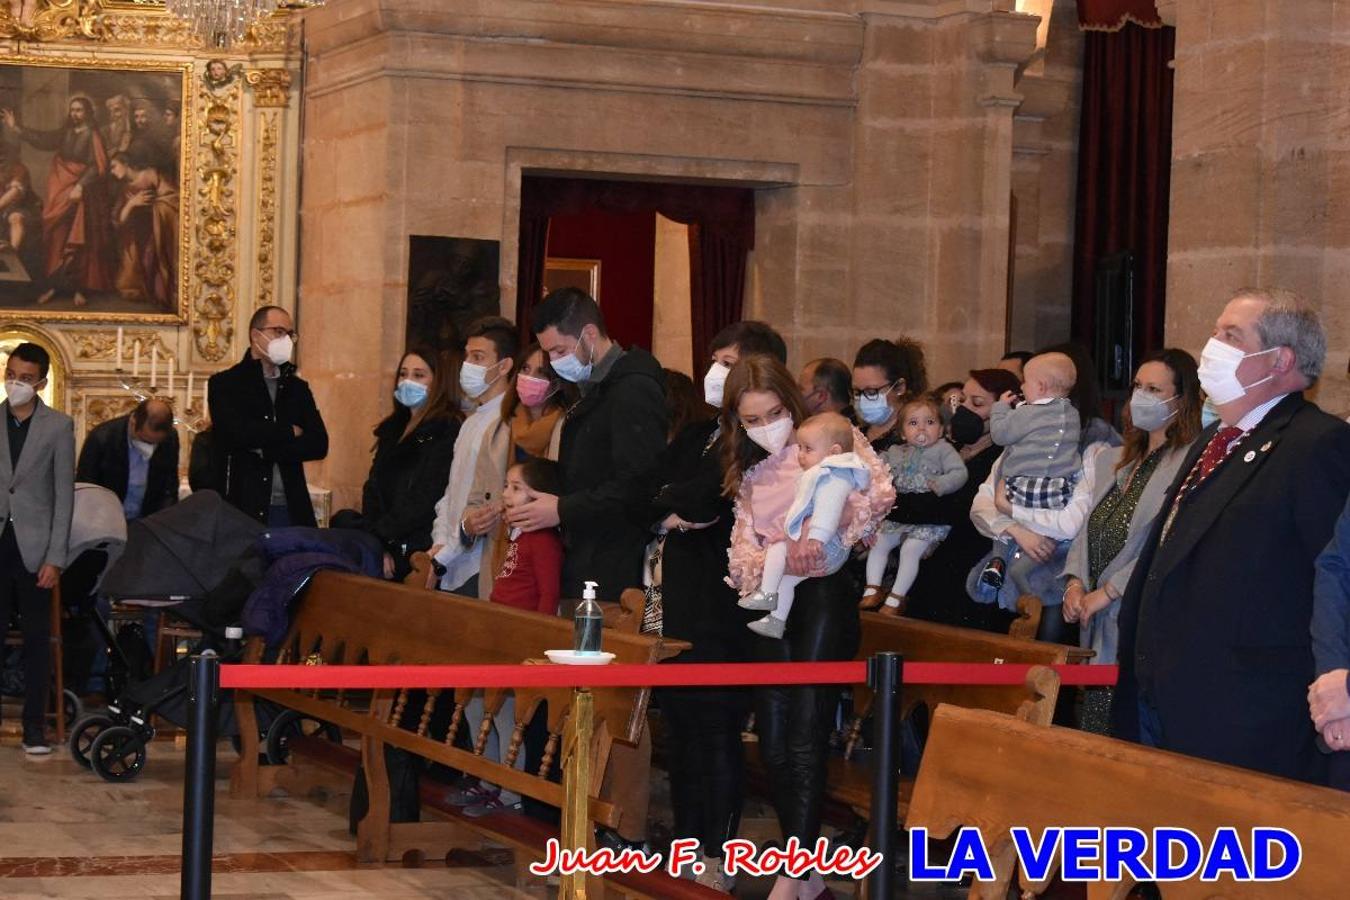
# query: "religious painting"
{"type": "Point", "coordinates": [574, 273]}
{"type": "Point", "coordinates": [91, 158]}
{"type": "Point", "coordinates": [451, 282]}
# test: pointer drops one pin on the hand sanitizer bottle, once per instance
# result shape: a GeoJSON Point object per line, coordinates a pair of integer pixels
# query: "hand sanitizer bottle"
{"type": "Point", "coordinates": [587, 622]}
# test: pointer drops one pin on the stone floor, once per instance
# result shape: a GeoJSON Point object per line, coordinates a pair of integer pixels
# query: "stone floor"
{"type": "Point", "coordinates": [65, 833]}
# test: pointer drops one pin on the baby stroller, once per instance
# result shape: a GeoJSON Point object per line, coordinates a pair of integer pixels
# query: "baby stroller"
{"type": "Point", "coordinates": [209, 564]}
{"type": "Point", "coordinates": [194, 561]}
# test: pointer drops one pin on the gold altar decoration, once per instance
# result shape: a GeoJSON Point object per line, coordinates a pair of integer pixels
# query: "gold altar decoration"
{"type": "Point", "coordinates": [271, 87]}
{"type": "Point", "coordinates": [212, 327]}
{"type": "Point", "coordinates": [101, 345]}
{"type": "Point", "coordinates": [130, 22]}
{"type": "Point", "coordinates": [267, 210]}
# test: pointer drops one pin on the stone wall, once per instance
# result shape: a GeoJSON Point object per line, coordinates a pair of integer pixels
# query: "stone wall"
{"type": "Point", "coordinates": [1260, 165]}
{"type": "Point", "coordinates": [878, 133]}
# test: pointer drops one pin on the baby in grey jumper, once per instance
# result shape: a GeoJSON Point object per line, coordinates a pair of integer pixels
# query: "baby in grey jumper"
{"type": "Point", "coordinates": [1040, 461]}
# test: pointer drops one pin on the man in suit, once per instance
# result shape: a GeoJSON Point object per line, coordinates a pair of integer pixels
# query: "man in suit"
{"type": "Point", "coordinates": [266, 425]}
{"type": "Point", "coordinates": [1215, 650]}
{"type": "Point", "coordinates": [136, 457]}
{"type": "Point", "coordinates": [37, 466]}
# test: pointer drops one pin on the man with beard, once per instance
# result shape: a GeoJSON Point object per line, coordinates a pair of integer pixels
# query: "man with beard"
{"type": "Point", "coordinates": [148, 142]}
{"type": "Point", "coordinates": [76, 225]}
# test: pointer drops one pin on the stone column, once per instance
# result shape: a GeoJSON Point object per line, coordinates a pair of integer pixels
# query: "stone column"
{"type": "Point", "coordinates": [1260, 165]}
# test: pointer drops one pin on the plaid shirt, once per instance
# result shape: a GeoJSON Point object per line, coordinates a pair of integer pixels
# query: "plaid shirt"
{"type": "Point", "coordinates": [1038, 492]}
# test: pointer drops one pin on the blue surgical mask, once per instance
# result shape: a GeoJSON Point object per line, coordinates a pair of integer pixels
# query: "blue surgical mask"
{"type": "Point", "coordinates": [411, 394]}
{"type": "Point", "coordinates": [473, 379]}
{"type": "Point", "coordinates": [873, 410]}
{"type": "Point", "coordinates": [571, 368]}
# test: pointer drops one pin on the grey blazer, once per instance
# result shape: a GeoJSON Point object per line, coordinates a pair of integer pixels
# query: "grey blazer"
{"type": "Point", "coordinates": [1102, 634]}
{"type": "Point", "coordinates": [38, 496]}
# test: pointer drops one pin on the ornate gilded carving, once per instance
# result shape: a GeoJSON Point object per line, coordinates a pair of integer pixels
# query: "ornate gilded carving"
{"type": "Point", "coordinates": [98, 345]}
{"type": "Point", "coordinates": [216, 229]}
{"type": "Point", "coordinates": [134, 22]}
{"type": "Point", "coordinates": [267, 209]}
{"type": "Point", "coordinates": [100, 409]}
{"type": "Point", "coordinates": [271, 87]}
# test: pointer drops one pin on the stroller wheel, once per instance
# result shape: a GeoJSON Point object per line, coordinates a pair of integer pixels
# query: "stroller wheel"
{"type": "Point", "coordinates": [118, 754]}
{"type": "Point", "coordinates": [290, 725]}
{"type": "Point", "coordinates": [83, 733]}
{"type": "Point", "coordinates": [72, 707]}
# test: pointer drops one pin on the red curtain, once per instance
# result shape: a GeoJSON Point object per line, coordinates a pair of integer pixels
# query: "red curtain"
{"type": "Point", "coordinates": [723, 217]}
{"type": "Point", "coordinates": [1124, 170]}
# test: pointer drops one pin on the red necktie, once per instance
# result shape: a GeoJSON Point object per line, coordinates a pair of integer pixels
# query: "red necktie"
{"type": "Point", "coordinates": [1216, 451]}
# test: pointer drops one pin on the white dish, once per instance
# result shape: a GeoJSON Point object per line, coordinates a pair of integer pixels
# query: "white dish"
{"type": "Point", "coordinates": [573, 658]}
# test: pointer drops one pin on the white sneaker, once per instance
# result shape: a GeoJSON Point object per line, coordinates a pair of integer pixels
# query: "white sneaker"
{"type": "Point", "coordinates": [759, 600]}
{"type": "Point", "coordinates": [768, 627]}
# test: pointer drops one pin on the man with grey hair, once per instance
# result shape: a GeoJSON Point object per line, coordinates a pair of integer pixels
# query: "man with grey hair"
{"type": "Point", "coordinates": [1215, 650]}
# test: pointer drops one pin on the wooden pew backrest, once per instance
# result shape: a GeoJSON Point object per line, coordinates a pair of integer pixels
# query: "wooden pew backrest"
{"type": "Point", "coordinates": [990, 770]}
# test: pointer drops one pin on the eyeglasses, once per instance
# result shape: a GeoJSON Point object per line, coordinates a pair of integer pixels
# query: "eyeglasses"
{"type": "Point", "coordinates": [276, 331]}
{"type": "Point", "coordinates": [874, 393]}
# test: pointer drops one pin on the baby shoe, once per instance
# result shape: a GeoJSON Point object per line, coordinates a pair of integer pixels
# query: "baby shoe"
{"type": "Point", "coordinates": [759, 600]}
{"type": "Point", "coordinates": [768, 627]}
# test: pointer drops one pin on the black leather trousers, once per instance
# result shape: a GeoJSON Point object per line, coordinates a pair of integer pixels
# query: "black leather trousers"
{"type": "Point", "coordinates": [794, 723]}
{"type": "Point", "coordinates": [706, 762]}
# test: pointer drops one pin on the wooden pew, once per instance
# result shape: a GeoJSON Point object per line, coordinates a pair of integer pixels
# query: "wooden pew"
{"type": "Point", "coordinates": [995, 771]}
{"type": "Point", "coordinates": [346, 619]}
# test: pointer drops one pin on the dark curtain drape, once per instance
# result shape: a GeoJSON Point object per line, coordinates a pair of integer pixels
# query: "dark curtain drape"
{"type": "Point", "coordinates": [721, 235]}
{"type": "Point", "coordinates": [1110, 15]}
{"type": "Point", "coordinates": [1124, 169]}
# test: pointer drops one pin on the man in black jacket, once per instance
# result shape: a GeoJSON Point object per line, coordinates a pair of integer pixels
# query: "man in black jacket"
{"type": "Point", "coordinates": [611, 440]}
{"type": "Point", "coordinates": [136, 457]}
{"type": "Point", "coordinates": [266, 425]}
{"type": "Point", "coordinates": [1215, 649]}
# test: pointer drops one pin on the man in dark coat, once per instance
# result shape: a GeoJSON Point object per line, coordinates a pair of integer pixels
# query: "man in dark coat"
{"type": "Point", "coordinates": [266, 426]}
{"type": "Point", "coordinates": [611, 440]}
{"type": "Point", "coordinates": [136, 457]}
{"type": "Point", "coordinates": [1215, 650]}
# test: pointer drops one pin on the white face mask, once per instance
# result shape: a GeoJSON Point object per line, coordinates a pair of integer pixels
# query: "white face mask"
{"type": "Point", "coordinates": [279, 350]}
{"type": "Point", "coordinates": [571, 368]}
{"type": "Point", "coordinates": [772, 437]}
{"type": "Point", "coordinates": [20, 393]}
{"type": "Point", "coordinates": [144, 448]}
{"type": "Point", "coordinates": [714, 382]}
{"type": "Point", "coordinates": [473, 379]}
{"type": "Point", "coordinates": [1218, 371]}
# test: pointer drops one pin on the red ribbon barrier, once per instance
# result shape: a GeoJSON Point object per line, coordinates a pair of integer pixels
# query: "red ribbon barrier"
{"type": "Point", "coordinates": [301, 677]}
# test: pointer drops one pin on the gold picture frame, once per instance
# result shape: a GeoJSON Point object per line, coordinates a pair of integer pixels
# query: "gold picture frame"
{"type": "Point", "coordinates": [138, 213]}
{"type": "Point", "coordinates": [561, 272]}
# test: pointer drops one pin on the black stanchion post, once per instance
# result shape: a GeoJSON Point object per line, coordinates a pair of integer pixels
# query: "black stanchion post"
{"type": "Point", "coordinates": [199, 787]}
{"type": "Point", "coordinates": [884, 675]}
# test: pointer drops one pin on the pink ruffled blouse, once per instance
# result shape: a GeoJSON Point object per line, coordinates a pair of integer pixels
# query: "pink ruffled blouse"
{"type": "Point", "coordinates": [767, 490]}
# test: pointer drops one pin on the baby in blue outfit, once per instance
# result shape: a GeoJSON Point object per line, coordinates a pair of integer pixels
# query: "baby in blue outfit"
{"type": "Point", "coordinates": [832, 471]}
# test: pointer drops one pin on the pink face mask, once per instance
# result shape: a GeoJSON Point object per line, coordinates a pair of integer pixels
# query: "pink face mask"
{"type": "Point", "coordinates": [532, 391]}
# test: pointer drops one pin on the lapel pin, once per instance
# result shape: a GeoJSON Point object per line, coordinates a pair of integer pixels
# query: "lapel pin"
{"type": "Point", "coordinates": [1250, 455]}
{"type": "Point", "coordinates": [1266, 446]}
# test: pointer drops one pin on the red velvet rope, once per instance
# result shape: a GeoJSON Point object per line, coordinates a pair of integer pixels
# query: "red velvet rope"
{"type": "Point", "coordinates": [300, 677]}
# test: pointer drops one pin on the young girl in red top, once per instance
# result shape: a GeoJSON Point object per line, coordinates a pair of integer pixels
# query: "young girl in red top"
{"type": "Point", "coordinates": [529, 578]}
{"type": "Point", "coordinates": [532, 567]}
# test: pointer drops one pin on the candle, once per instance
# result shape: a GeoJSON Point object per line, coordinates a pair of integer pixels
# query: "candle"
{"type": "Point", "coordinates": [187, 394]}
{"type": "Point", "coordinates": [168, 380]}
{"type": "Point", "coordinates": [136, 359]}
{"type": "Point", "coordinates": [154, 366]}
{"type": "Point", "coordinates": [119, 348]}
{"type": "Point", "coordinates": [206, 409]}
